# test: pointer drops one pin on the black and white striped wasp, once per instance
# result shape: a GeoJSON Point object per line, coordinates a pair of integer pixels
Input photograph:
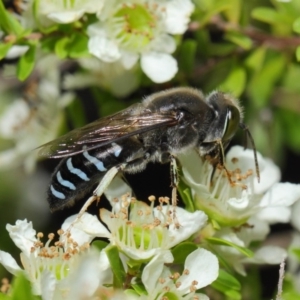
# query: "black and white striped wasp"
{"type": "Point", "coordinates": [163, 125]}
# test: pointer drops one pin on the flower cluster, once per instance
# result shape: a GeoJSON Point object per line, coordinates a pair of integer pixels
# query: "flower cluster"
{"type": "Point", "coordinates": [142, 237]}
{"type": "Point", "coordinates": [120, 33]}
{"type": "Point", "coordinates": [141, 259]}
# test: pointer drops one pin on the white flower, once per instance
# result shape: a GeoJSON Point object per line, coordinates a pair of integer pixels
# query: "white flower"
{"type": "Point", "coordinates": [147, 231]}
{"type": "Point", "coordinates": [60, 270]}
{"type": "Point", "coordinates": [67, 11]}
{"type": "Point", "coordinates": [256, 231]}
{"type": "Point", "coordinates": [111, 76]}
{"type": "Point", "coordinates": [200, 269]}
{"type": "Point", "coordinates": [243, 202]}
{"type": "Point", "coordinates": [129, 30]}
{"type": "Point", "coordinates": [16, 51]}
{"type": "Point", "coordinates": [144, 232]}
{"type": "Point", "coordinates": [33, 119]}
{"type": "Point", "coordinates": [234, 204]}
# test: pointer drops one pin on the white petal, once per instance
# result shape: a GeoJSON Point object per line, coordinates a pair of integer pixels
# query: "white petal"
{"type": "Point", "coordinates": [269, 172]}
{"type": "Point", "coordinates": [116, 189]}
{"type": "Point", "coordinates": [274, 215]}
{"type": "Point", "coordinates": [153, 271]}
{"type": "Point", "coordinates": [85, 229]}
{"type": "Point", "coordinates": [178, 15]}
{"type": "Point", "coordinates": [203, 267]}
{"type": "Point", "coordinates": [65, 17]}
{"type": "Point", "coordinates": [295, 220]}
{"type": "Point", "coordinates": [85, 279]}
{"type": "Point", "coordinates": [48, 284]}
{"type": "Point", "coordinates": [159, 67]}
{"type": "Point", "coordinates": [16, 51]}
{"type": "Point", "coordinates": [281, 194]}
{"type": "Point", "coordinates": [163, 43]}
{"type": "Point", "coordinates": [201, 296]}
{"type": "Point", "coordinates": [190, 223]}
{"type": "Point", "coordinates": [9, 263]}
{"type": "Point", "coordinates": [239, 204]}
{"type": "Point", "coordinates": [23, 235]}
{"type": "Point", "coordinates": [104, 48]}
{"type": "Point", "coordinates": [129, 59]}
{"type": "Point", "coordinates": [268, 255]}
{"type": "Point", "coordinates": [257, 231]}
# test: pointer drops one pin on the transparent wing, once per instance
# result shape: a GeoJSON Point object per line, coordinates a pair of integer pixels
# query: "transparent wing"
{"type": "Point", "coordinates": [131, 121]}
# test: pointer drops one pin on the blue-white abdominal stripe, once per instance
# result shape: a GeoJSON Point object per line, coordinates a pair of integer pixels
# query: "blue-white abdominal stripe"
{"type": "Point", "coordinates": [116, 149]}
{"type": "Point", "coordinates": [95, 161]}
{"type": "Point", "coordinates": [76, 171]}
{"type": "Point", "coordinates": [65, 183]}
{"type": "Point", "coordinates": [56, 193]}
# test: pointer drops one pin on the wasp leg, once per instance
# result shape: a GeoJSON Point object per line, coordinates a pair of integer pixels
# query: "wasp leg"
{"type": "Point", "coordinates": [104, 183]}
{"type": "Point", "coordinates": [174, 185]}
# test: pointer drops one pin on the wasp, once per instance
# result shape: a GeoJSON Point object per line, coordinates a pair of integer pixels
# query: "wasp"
{"type": "Point", "coordinates": [163, 125]}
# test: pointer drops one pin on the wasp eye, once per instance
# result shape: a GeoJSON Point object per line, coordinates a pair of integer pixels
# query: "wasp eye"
{"type": "Point", "coordinates": [231, 123]}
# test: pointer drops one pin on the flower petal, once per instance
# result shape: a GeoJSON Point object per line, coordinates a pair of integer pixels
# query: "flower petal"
{"type": "Point", "coordinates": [269, 172]}
{"type": "Point", "coordinates": [281, 194]}
{"type": "Point", "coordinates": [9, 263]}
{"type": "Point", "coordinates": [117, 188]}
{"type": "Point", "coordinates": [274, 215]}
{"type": "Point", "coordinates": [178, 15]}
{"type": "Point", "coordinates": [48, 284]}
{"type": "Point", "coordinates": [85, 280]}
{"type": "Point", "coordinates": [23, 235]}
{"type": "Point", "coordinates": [163, 43]}
{"type": "Point", "coordinates": [189, 222]}
{"type": "Point", "coordinates": [159, 67]}
{"type": "Point", "coordinates": [295, 220]}
{"type": "Point", "coordinates": [85, 229]}
{"type": "Point", "coordinates": [203, 267]}
{"type": "Point", "coordinates": [16, 51]}
{"type": "Point", "coordinates": [64, 17]}
{"type": "Point", "coordinates": [268, 255]}
{"type": "Point", "coordinates": [104, 48]}
{"type": "Point", "coordinates": [154, 268]}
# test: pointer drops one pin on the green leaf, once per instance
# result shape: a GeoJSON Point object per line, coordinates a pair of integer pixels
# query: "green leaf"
{"type": "Point", "coordinates": [182, 250]}
{"type": "Point", "coordinates": [78, 45]}
{"type": "Point", "coordinates": [221, 242]}
{"type": "Point", "coordinates": [235, 82]}
{"type": "Point", "coordinates": [298, 53]}
{"type": "Point", "coordinates": [296, 25]}
{"type": "Point", "coordinates": [139, 289]}
{"type": "Point", "coordinates": [112, 253]}
{"type": "Point", "coordinates": [266, 14]}
{"type": "Point", "coordinates": [8, 23]}
{"type": "Point", "coordinates": [262, 83]}
{"type": "Point", "coordinates": [233, 13]}
{"type": "Point", "coordinates": [255, 60]}
{"type": "Point", "coordinates": [186, 196]}
{"type": "Point", "coordinates": [239, 39]}
{"type": "Point", "coordinates": [227, 280]}
{"type": "Point", "coordinates": [100, 245]}
{"type": "Point", "coordinates": [187, 56]}
{"type": "Point", "coordinates": [4, 49]}
{"type": "Point", "coordinates": [26, 63]}
{"type": "Point", "coordinates": [61, 47]}
{"type": "Point", "coordinates": [21, 288]}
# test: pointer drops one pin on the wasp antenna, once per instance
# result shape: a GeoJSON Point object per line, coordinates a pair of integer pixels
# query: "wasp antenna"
{"type": "Point", "coordinates": [246, 129]}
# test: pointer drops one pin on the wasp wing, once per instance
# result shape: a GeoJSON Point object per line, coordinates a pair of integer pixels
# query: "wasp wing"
{"type": "Point", "coordinates": [131, 121]}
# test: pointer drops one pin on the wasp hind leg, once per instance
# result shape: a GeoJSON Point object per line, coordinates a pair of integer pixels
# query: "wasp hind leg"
{"type": "Point", "coordinates": [174, 185]}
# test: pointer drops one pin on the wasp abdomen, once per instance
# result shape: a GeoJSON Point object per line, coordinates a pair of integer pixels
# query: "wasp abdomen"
{"type": "Point", "coordinates": [75, 174]}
